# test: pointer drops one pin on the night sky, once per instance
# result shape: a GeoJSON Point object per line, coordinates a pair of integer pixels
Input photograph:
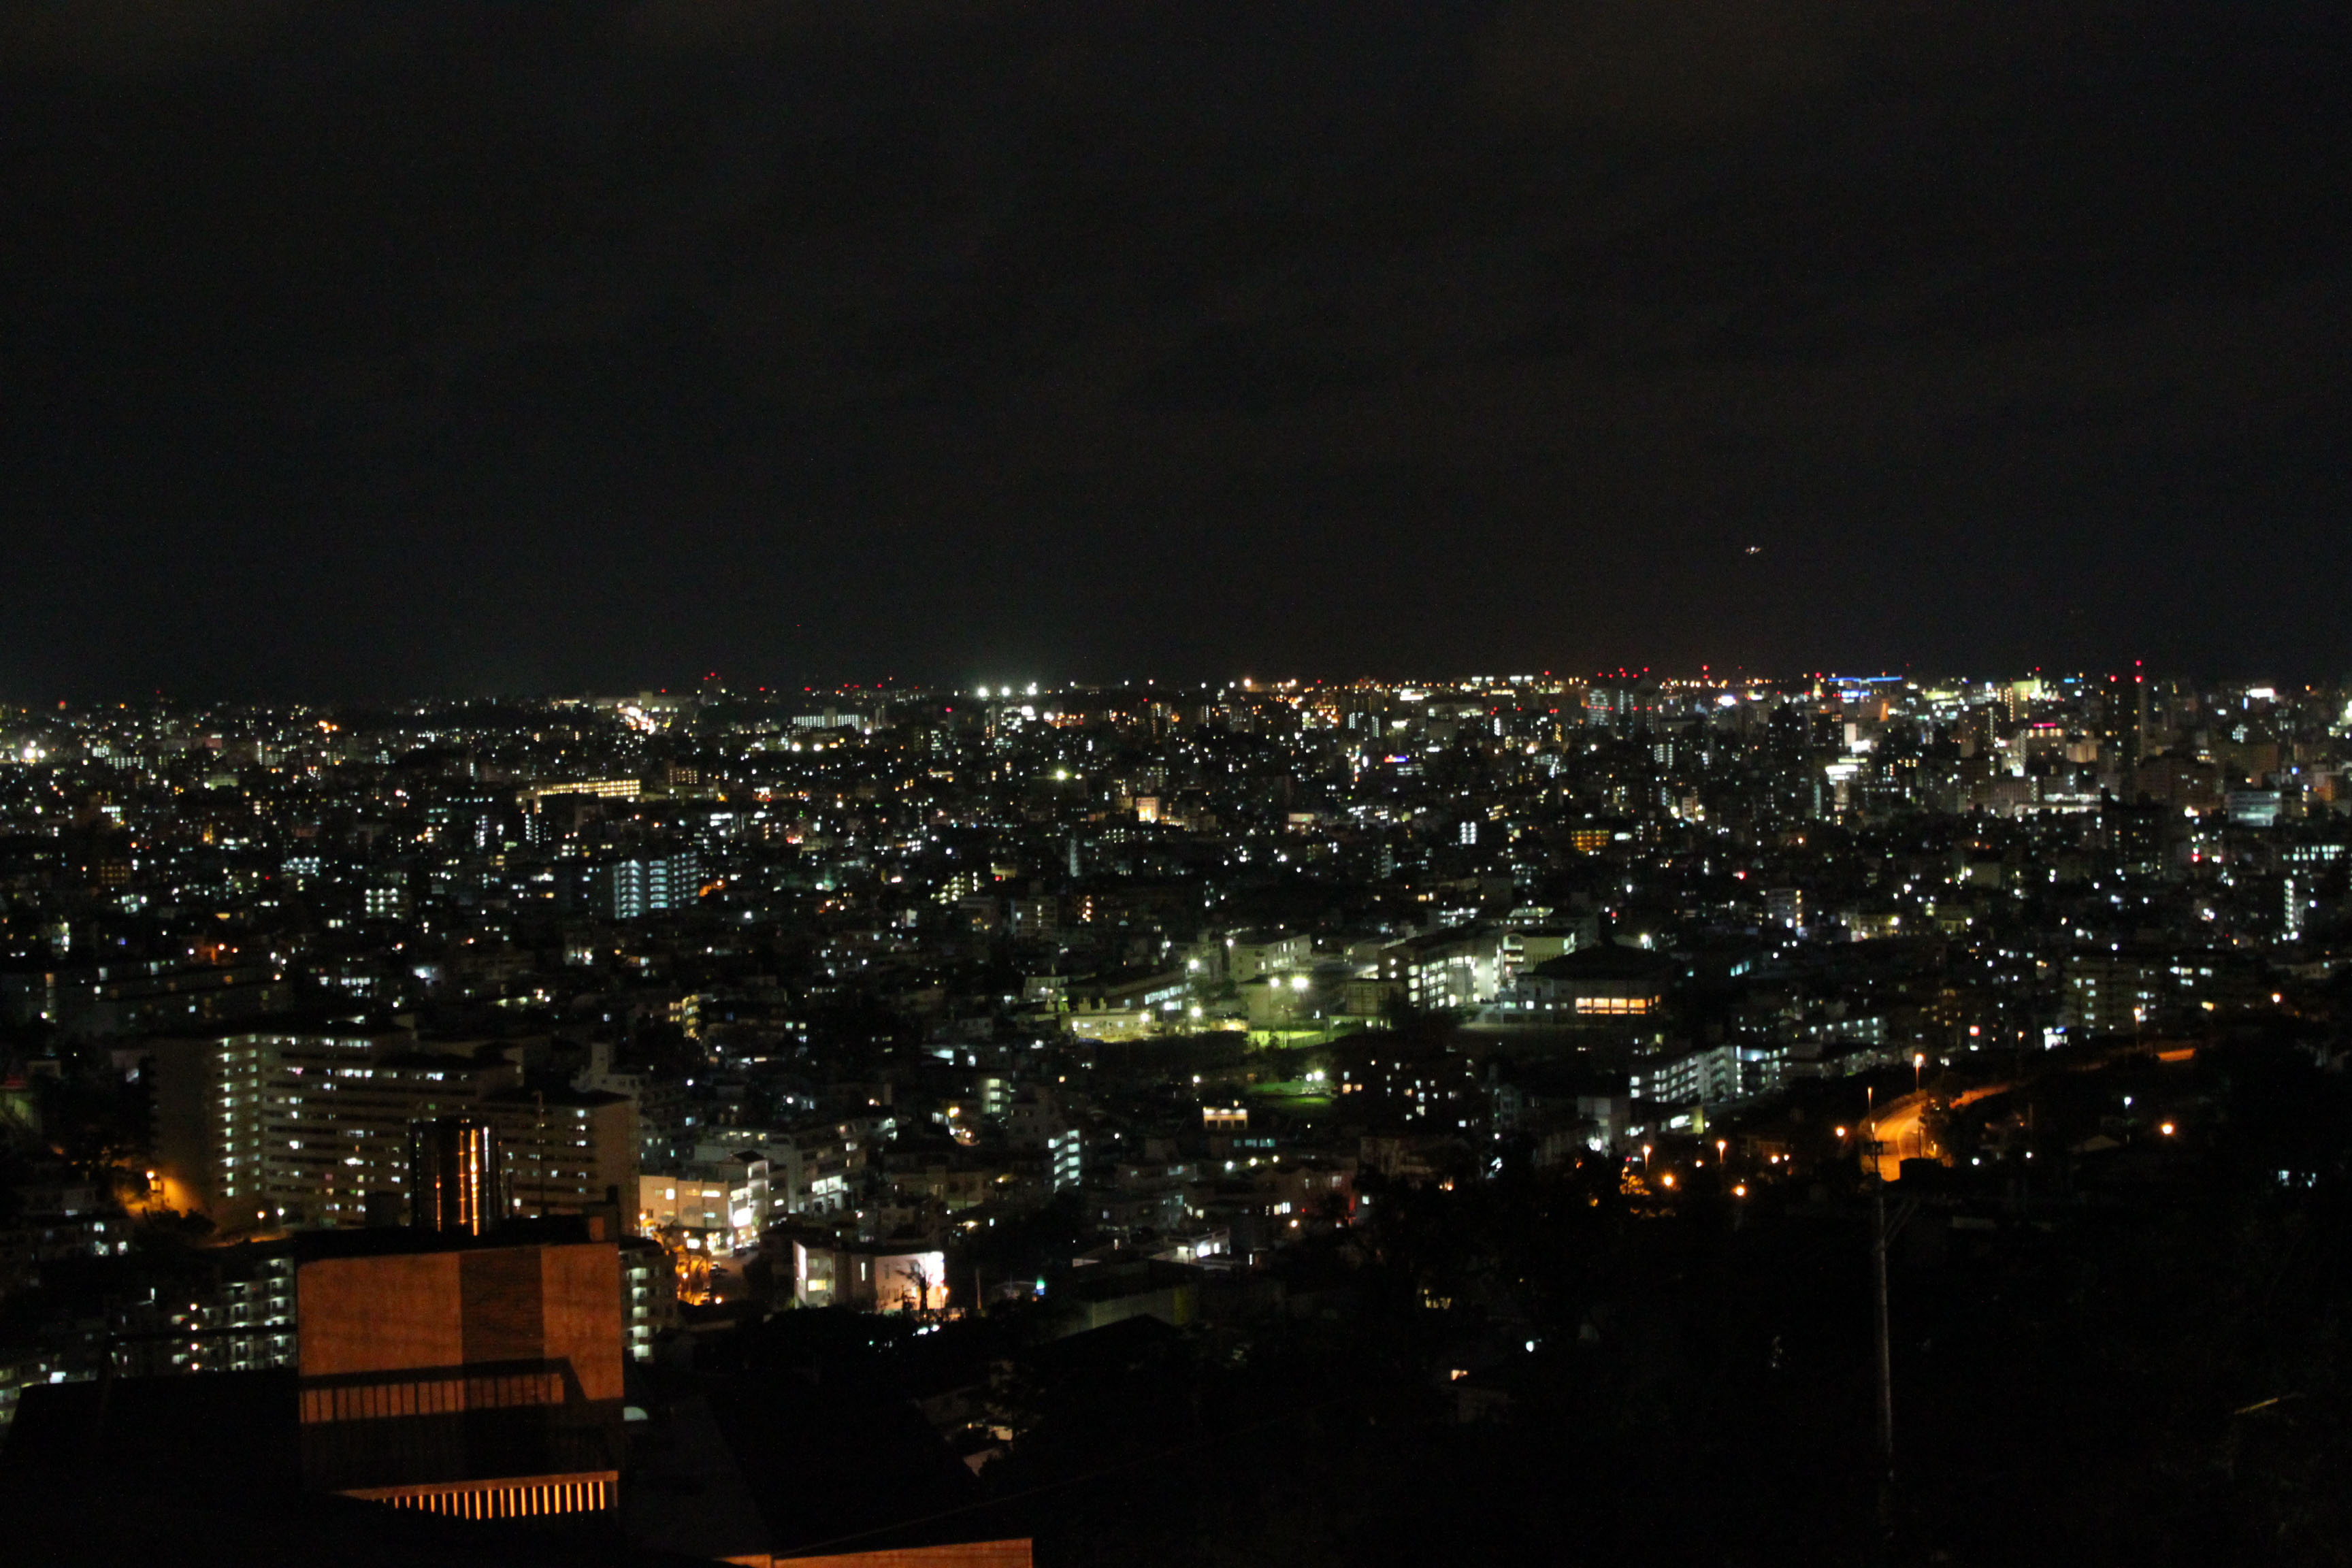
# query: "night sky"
{"type": "Point", "coordinates": [372, 350]}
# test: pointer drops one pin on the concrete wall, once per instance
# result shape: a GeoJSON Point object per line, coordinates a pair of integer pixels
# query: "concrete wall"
{"type": "Point", "coordinates": [412, 1311]}
{"type": "Point", "coordinates": [380, 1314]}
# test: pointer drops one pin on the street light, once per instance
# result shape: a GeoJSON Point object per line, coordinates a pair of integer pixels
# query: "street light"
{"type": "Point", "coordinates": [1918, 1061]}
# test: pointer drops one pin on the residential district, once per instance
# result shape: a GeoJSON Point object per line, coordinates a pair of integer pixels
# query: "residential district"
{"type": "Point", "coordinates": [1044, 1033]}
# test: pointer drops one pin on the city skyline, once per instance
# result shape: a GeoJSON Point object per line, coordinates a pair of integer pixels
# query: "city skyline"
{"type": "Point", "coordinates": [1049, 783]}
{"type": "Point", "coordinates": [791, 1120]}
{"type": "Point", "coordinates": [711, 686]}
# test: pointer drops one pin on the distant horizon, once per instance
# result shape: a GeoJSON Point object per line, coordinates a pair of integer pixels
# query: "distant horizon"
{"type": "Point", "coordinates": [1000, 688]}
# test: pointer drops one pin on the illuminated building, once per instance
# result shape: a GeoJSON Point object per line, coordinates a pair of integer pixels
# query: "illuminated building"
{"type": "Point", "coordinates": [597, 789]}
{"type": "Point", "coordinates": [473, 1377]}
{"type": "Point", "coordinates": [566, 1150]}
{"type": "Point", "coordinates": [235, 1315]}
{"type": "Point", "coordinates": [1037, 1121]}
{"type": "Point", "coordinates": [718, 1205]}
{"type": "Point", "coordinates": [632, 888]}
{"type": "Point", "coordinates": [309, 1128]}
{"type": "Point", "coordinates": [1445, 969]}
{"type": "Point", "coordinates": [1704, 1076]}
{"type": "Point", "coordinates": [1249, 955]}
{"type": "Point", "coordinates": [268, 1128]}
{"type": "Point", "coordinates": [1421, 1079]}
{"type": "Point", "coordinates": [477, 1377]}
{"type": "Point", "coordinates": [875, 1276]}
{"type": "Point", "coordinates": [1064, 1159]}
{"type": "Point", "coordinates": [454, 1183]}
{"type": "Point", "coordinates": [1603, 987]}
{"type": "Point", "coordinates": [648, 1295]}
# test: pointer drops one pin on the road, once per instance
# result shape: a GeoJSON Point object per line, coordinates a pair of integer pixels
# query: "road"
{"type": "Point", "coordinates": [1897, 1134]}
{"type": "Point", "coordinates": [1900, 1130]}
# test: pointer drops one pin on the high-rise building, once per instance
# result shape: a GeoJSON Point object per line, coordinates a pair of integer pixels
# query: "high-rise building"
{"type": "Point", "coordinates": [565, 1150]}
{"type": "Point", "coordinates": [632, 888]}
{"type": "Point", "coordinates": [263, 1128]}
{"type": "Point", "coordinates": [230, 1309]}
{"type": "Point", "coordinates": [1066, 1163]}
{"type": "Point", "coordinates": [309, 1128]}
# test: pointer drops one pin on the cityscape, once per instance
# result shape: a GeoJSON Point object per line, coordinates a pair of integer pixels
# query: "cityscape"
{"type": "Point", "coordinates": [1175, 783]}
{"type": "Point", "coordinates": [1128, 1121]}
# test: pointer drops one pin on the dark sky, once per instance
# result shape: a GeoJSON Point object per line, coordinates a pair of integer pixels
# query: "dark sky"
{"type": "Point", "coordinates": [366, 350]}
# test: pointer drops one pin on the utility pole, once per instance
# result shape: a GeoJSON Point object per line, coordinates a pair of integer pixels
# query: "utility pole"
{"type": "Point", "coordinates": [1883, 1230]}
{"type": "Point", "coordinates": [1885, 1355]}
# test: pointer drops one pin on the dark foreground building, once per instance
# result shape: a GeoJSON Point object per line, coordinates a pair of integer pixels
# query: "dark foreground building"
{"type": "Point", "coordinates": [477, 1376]}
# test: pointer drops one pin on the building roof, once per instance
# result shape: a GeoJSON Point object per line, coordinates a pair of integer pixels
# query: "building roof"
{"type": "Point", "coordinates": [333, 1025]}
{"type": "Point", "coordinates": [1610, 962]}
{"type": "Point", "coordinates": [553, 1230]}
{"type": "Point", "coordinates": [556, 1095]}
